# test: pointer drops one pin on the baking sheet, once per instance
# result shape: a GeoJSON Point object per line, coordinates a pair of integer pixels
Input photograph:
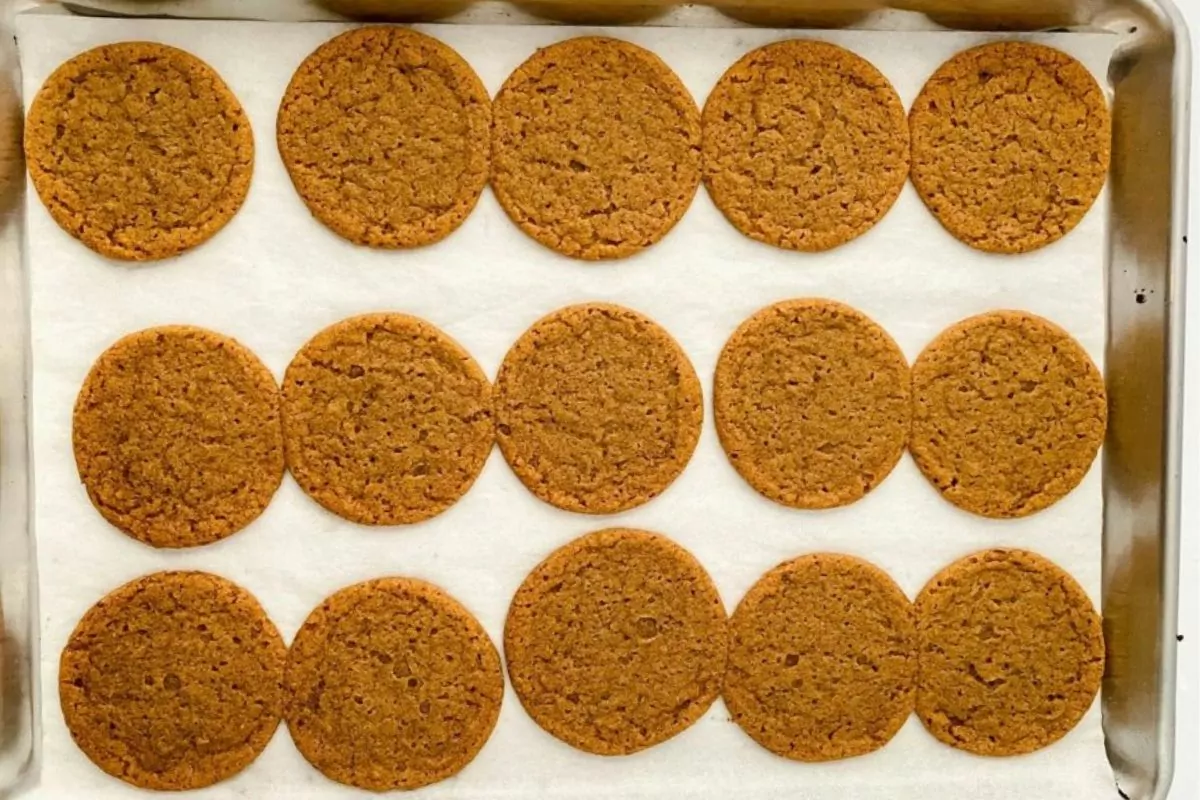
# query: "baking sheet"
{"type": "Point", "coordinates": [275, 276]}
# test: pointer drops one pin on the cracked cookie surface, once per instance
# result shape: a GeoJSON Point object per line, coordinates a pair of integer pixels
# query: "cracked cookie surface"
{"type": "Point", "coordinates": [139, 150]}
{"type": "Point", "coordinates": [386, 419]}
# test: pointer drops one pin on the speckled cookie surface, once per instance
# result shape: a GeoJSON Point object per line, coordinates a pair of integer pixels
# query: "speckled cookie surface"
{"type": "Point", "coordinates": [616, 642]}
{"type": "Point", "coordinates": [822, 659]}
{"type": "Point", "coordinates": [805, 145]}
{"type": "Point", "coordinates": [139, 150]}
{"type": "Point", "coordinates": [384, 132]}
{"type": "Point", "coordinates": [1008, 413]}
{"type": "Point", "coordinates": [386, 419]}
{"type": "Point", "coordinates": [812, 403]}
{"type": "Point", "coordinates": [597, 409]}
{"type": "Point", "coordinates": [596, 147]}
{"type": "Point", "coordinates": [1011, 145]}
{"type": "Point", "coordinates": [173, 681]}
{"type": "Point", "coordinates": [1011, 653]}
{"type": "Point", "coordinates": [392, 684]}
{"type": "Point", "coordinates": [177, 436]}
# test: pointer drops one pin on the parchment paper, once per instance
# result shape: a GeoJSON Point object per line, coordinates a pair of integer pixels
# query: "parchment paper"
{"type": "Point", "coordinates": [274, 277]}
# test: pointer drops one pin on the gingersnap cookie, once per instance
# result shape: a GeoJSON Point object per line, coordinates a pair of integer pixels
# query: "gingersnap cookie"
{"type": "Point", "coordinates": [386, 419]}
{"type": "Point", "coordinates": [805, 145]}
{"type": "Point", "coordinates": [138, 150]}
{"type": "Point", "coordinates": [391, 684]}
{"type": "Point", "coordinates": [822, 659]}
{"type": "Point", "coordinates": [596, 148]}
{"type": "Point", "coordinates": [1008, 413]}
{"type": "Point", "coordinates": [384, 132]}
{"type": "Point", "coordinates": [1011, 653]}
{"type": "Point", "coordinates": [177, 436]}
{"type": "Point", "coordinates": [812, 402]}
{"type": "Point", "coordinates": [597, 409]}
{"type": "Point", "coordinates": [173, 681]}
{"type": "Point", "coordinates": [616, 642]}
{"type": "Point", "coordinates": [1011, 144]}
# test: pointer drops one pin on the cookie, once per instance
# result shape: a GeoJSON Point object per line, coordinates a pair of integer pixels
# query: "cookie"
{"type": "Point", "coordinates": [616, 642]}
{"type": "Point", "coordinates": [391, 684]}
{"type": "Point", "coordinates": [1011, 145]}
{"type": "Point", "coordinates": [173, 681]}
{"type": "Point", "coordinates": [387, 421]}
{"type": "Point", "coordinates": [596, 148]}
{"type": "Point", "coordinates": [177, 436]}
{"type": "Point", "coordinates": [822, 659]}
{"type": "Point", "coordinates": [138, 150]}
{"type": "Point", "coordinates": [805, 145]}
{"type": "Point", "coordinates": [1008, 413]}
{"type": "Point", "coordinates": [597, 409]}
{"type": "Point", "coordinates": [812, 402]}
{"type": "Point", "coordinates": [384, 132]}
{"type": "Point", "coordinates": [1011, 653]}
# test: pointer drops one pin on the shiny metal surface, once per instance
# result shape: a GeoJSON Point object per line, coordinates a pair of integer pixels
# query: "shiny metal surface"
{"type": "Point", "coordinates": [1149, 78]}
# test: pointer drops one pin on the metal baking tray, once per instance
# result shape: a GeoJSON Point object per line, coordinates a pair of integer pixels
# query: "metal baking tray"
{"type": "Point", "coordinates": [1146, 257]}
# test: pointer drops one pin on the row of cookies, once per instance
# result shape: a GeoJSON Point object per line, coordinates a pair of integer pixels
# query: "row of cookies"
{"type": "Point", "coordinates": [593, 146]}
{"type": "Point", "coordinates": [615, 643]}
{"type": "Point", "coordinates": [181, 435]}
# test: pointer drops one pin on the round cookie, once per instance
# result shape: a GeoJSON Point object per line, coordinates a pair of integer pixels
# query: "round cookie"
{"type": "Point", "coordinates": [596, 148]}
{"type": "Point", "coordinates": [1008, 413]}
{"type": "Point", "coordinates": [1011, 653]}
{"type": "Point", "coordinates": [812, 402]}
{"type": "Point", "coordinates": [392, 684]}
{"type": "Point", "coordinates": [616, 642]}
{"type": "Point", "coordinates": [177, 436]}
{"type": "Point", "coordinates": [384, 132]}
{"type": "Point", "coordinates": [805, 145]}
{"type": "Point", "coordinates": [597, 409]}
{"type": "Point", "coordinates": [173, 681]}
{"type": "Point", "coordinates": [138, 150]}
{"type": "Point", "coordinates": [386, 419]}
{"type": "Point", "coordinates": [822, 659]}
{"type": "Point", "coordinates": [1011, 145]}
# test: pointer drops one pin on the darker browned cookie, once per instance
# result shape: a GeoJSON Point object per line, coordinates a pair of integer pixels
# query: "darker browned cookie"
{"type": "Point", "coordinates": [391, 684]}
{"type": "Point", "coordinates": [386, 419]}
{"type": "Point", "coordinates": [812, 401]}
{"type": "Point", "coordinates": [597, 409]}
{"type": "Point", "coordinates": [1008, 413]}
{"type": "Point", "coordinates": [173, 681]}
{"type": "Point", "coordinates": [1011, 653]}
{"type": "Point", "coordinates": [616, 642]}
{"type": "Point", "coordinates": [385, 134]}
{"type": "Point", "coordinates": [1011, 145]}
{"type": "Point", "coordinates": [138, 150]}
{"type": "Point", "coordinates": [596, 147]}
{"type": "Point", "coordinates": [822, 659]}
{"type": "Point", "coordinates": [177, 436]}
{"type": "Point", "coordinates": [805, 145]}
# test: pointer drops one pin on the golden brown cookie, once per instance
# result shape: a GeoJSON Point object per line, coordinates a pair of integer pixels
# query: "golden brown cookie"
{"type": "Point", "coordinates": [1008, 413]}
{"type": "Point", "coordinates": [138, 150]}
{"type": "Point", "coordinates": [1011, 145]}
{"type": "Point", "coordinates": [597, 409]}
{"type": "Point", "coordinates": [386, 419]}
{"type": "Point", "coordinates": [616, 642]}
{"type": "Point", "coordinates": [385, 134]}
{"type": "Point", "coordinates": [177, 436]}
{"type": "Point", "coordinates": [391, 684]}
{"type": "Point", "coordinates": [173, 681]}
{"type": "Point", "coordinates": [1011, 653]}
{"type": "Point", "coordinates": [822, 659]}
{"type": "Point", "coordinates": [812, 401]}
{"type": "Point", "coordinates": [805, 145]}
{"type": "Point", "coordinates": [596, 148]}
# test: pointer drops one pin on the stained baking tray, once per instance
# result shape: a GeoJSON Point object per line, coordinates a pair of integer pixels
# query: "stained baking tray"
{"type": "Point", "coordinates": [1145, 271]}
